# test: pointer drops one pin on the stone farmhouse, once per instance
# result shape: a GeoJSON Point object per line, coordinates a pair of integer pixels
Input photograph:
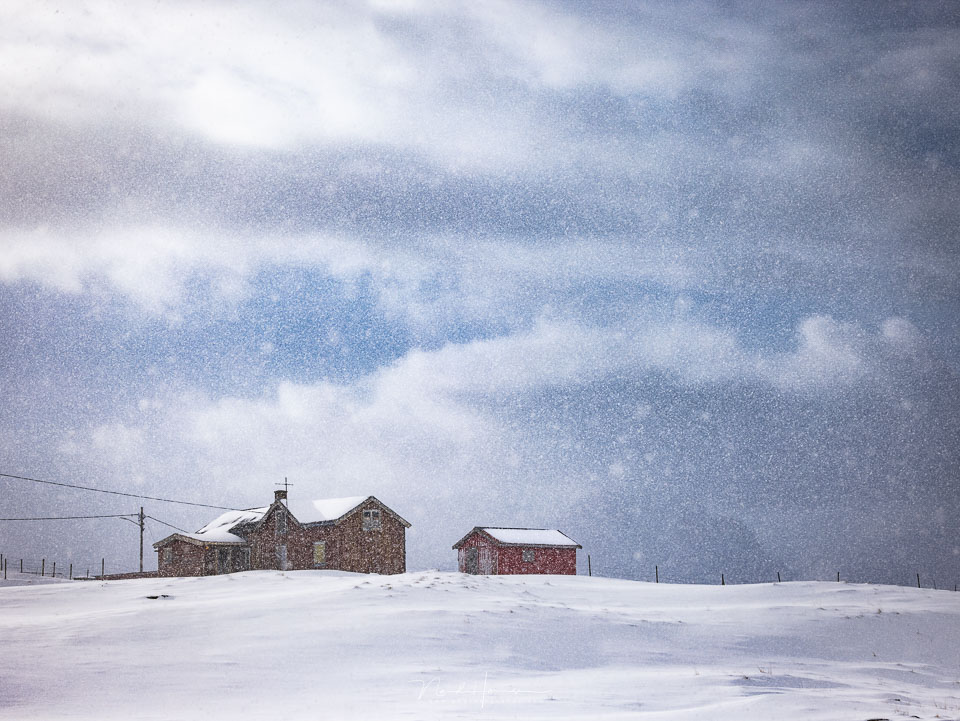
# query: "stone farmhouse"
{"type": "Point", "coordinates": [358, 534]}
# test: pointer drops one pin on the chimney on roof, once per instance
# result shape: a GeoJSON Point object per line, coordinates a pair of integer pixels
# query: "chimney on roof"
{"type": "Point", "coordinates": [279, 495]}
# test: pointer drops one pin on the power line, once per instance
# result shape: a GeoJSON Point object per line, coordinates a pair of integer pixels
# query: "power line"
{"type": "Point", "coordinates": [167, 524]}
{"type": "Point", "coordinates": [116, 493]}
{"type": "Point", "coordinates": [69, 518]}
{"type": "Point", "coordinates": [150, 529]}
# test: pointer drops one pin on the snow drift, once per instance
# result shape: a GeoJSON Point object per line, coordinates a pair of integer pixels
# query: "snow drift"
{"type": "Point", "coordinates": [430, 645]}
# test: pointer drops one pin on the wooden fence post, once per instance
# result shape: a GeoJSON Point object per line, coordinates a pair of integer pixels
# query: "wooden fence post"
{"type": "Point", "coordinates": [43, 564]}
{"type": "Point", "coordinates": [103, 566]}
{"type": "Point", "coordinates": [71, 571]}
{"type": "Point", "coordinates": [589, 568]}
{"type": "Point", "coordinates": [778, 576]}
{"type": "Point", "coordinates": [723, 581]}
{"type": "Point", "coordinates": [656, 571]}
{"type": "Point", "coordinates": [918, 580]}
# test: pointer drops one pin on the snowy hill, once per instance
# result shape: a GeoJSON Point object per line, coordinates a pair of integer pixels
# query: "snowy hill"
{"type": "Point", "coordinates": [312, 645]}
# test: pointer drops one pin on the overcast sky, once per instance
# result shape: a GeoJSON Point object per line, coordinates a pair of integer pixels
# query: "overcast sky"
{"type": "Point", "coordinates": [679, 279]}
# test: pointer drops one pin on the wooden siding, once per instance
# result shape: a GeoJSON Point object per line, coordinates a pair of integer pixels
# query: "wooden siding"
{"type": "Point", "coordinates": [487, 555]}
{"type": "Point", "coordinates": [545, 560]}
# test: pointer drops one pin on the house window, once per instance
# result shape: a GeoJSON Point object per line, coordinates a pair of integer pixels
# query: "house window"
{"type": "Point", "coordinates": [371, 520]}
{"type": "Point", "coordinates": [281, 523]}
{"type": "Point", "coordinates": [528, 555]}
{"type": "Point", "coordinates": [168, 555]}
{"type": "Point", "coordinates": [319, 553]}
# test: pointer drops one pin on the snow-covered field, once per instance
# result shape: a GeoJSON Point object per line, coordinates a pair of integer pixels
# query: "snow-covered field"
{"type": "Point", "coordinates": [321, 645]}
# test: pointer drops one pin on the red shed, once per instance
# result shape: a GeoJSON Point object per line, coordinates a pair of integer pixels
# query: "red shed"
{"type": "Point", "coordinates": [501, 551]}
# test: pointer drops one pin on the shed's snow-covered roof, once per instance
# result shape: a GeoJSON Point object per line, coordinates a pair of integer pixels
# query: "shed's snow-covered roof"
{"type": "Point", "coordinates": [324, 509]}
{"type": "Point", "coordinates": [522, 537]}
{"type": "Point", "coordinates": [530, 536]}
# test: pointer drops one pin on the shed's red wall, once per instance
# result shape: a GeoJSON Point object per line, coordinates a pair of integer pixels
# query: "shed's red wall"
{"type": "Point", "coordinates": [508, 560]}
{"type": "Point", "coordinates": [545, 560]}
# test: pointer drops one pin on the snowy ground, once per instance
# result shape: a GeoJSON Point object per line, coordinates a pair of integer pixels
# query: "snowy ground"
{"type": "Point", "coordinates": [28, 579]}
{"type": "Point", "coordinates": [316, 645]}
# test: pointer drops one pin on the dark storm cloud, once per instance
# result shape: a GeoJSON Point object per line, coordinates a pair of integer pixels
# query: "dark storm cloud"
{"type": "Point", "coordinates": [678, 278]}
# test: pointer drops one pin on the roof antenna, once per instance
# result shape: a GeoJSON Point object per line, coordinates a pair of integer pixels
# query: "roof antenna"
{"type": "Point", "coordinates": [281, 495]}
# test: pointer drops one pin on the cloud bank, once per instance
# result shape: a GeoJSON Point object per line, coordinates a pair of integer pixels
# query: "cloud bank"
{"type": "Point", "coordinates": [678, 279]}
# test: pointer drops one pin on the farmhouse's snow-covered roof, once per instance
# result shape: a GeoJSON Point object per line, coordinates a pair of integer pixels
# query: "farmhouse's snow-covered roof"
{"type": "Point", "coordinates": [524, 537]}
{"type": "Point", "coordinates": [219, 528]}
{"type": "Point", "coordinates": [324, 509]}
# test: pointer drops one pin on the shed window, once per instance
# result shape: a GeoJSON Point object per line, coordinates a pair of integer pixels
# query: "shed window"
{"type": "Point", "coordinates": [371, 520]}
{"type": "Point", "coordinates": [528, 555]}
{"type": "Point", "coordinates": [319, 553]}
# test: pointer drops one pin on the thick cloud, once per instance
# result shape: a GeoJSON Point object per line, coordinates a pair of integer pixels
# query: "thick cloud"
{"type": "Point", "coordinates": [679, 278]}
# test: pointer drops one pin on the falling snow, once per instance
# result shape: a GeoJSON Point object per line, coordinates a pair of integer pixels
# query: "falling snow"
{"type": "Point", "coordinates": [677, 279]}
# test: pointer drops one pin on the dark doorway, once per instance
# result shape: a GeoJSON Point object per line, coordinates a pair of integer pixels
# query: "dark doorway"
{"type": "Point", "coordinates": [241, 560]}
{"type": "Point", "coordinates": [223, 560]}
{"type": "Point", "coordinates": [471, 562]}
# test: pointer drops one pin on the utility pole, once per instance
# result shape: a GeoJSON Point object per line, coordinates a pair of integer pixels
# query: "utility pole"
{"type": "Point", "coordinates": [141, 539]}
